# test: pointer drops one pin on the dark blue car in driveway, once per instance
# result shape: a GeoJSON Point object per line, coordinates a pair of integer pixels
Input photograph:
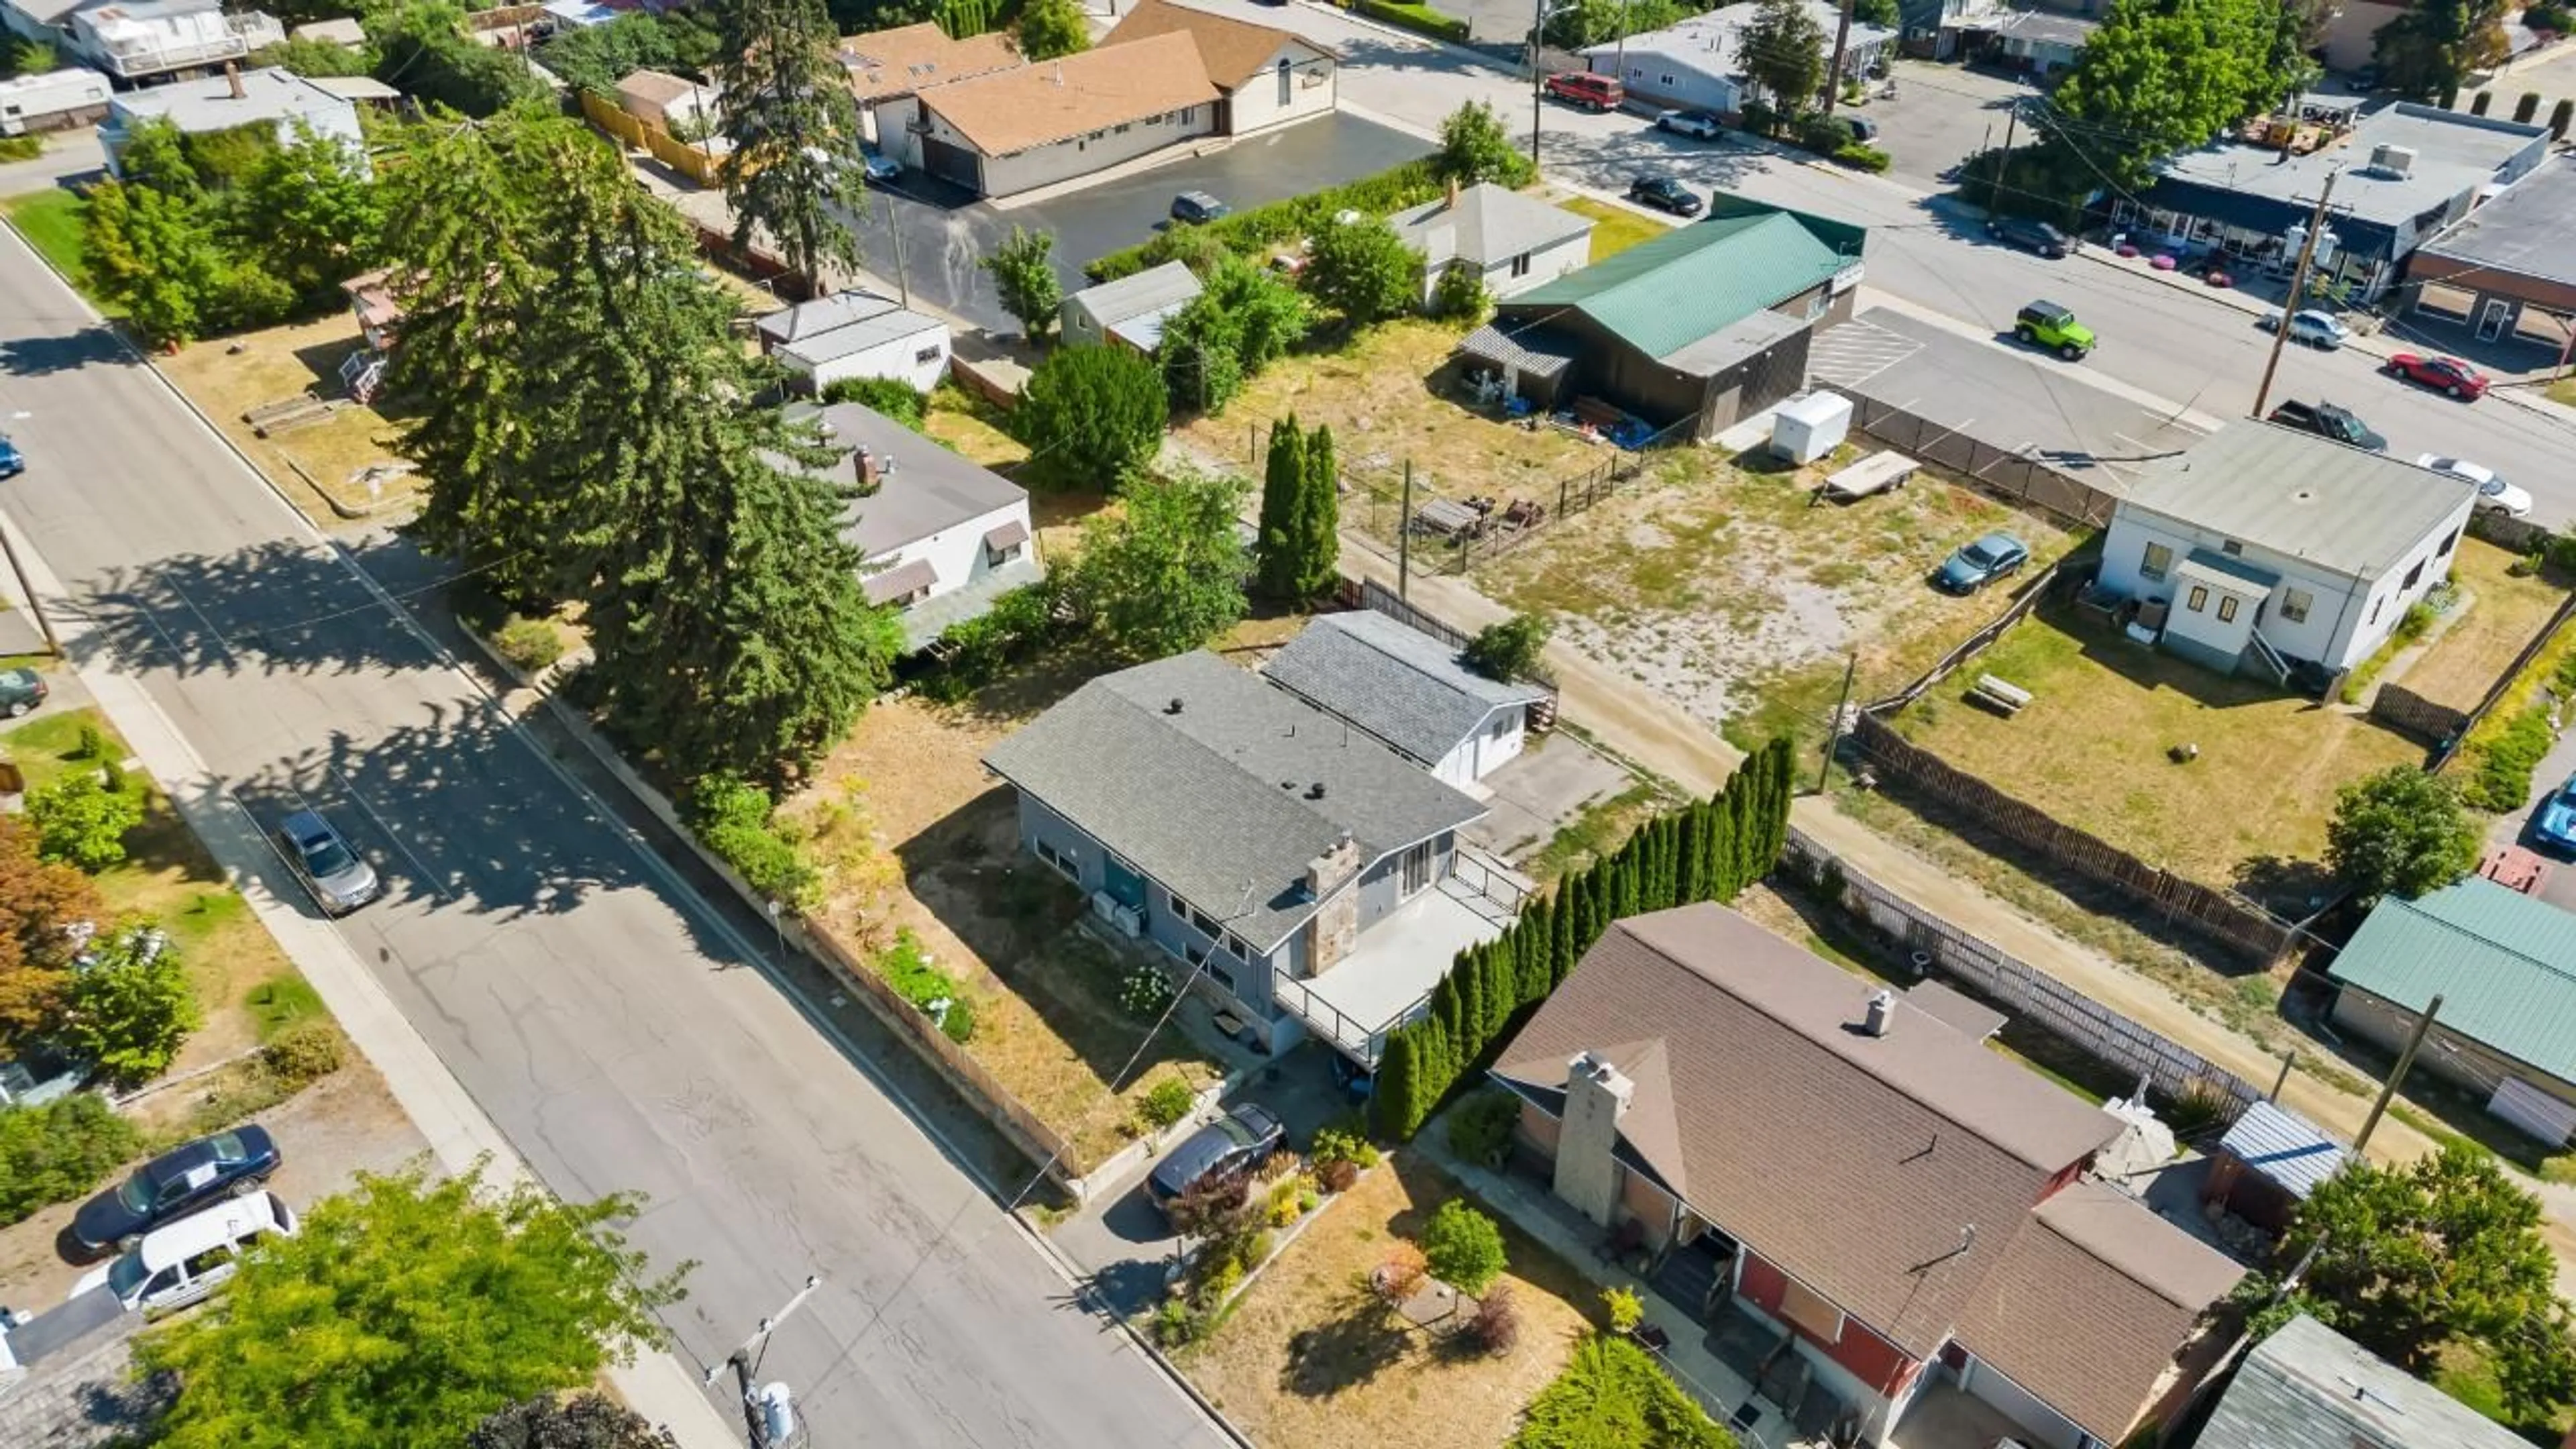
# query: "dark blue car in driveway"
{"type": "Point", "coordinates": [2554, 823]}
{"type": "Point", "coordinates": [1234, 1144]}
{"type": "Point", "coordinates": [228, 1164]}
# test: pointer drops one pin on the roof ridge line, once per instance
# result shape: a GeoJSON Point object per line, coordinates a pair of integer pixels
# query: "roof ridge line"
{"type": "Point", "coordinates": [2415, 908]}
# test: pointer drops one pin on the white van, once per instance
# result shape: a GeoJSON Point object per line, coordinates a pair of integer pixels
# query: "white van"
{"type": "Point", "coordinates": [188, 1260]}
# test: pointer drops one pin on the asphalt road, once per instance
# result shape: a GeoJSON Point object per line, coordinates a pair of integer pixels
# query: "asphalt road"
{"type": "Point", "coordinates": [594, 1009]}
{"type": "Point", "coordinates": [2556, 769]}
{"type": "Point", "coordinates": [945, 232]}
{"type": "Point", "coordinates": [2173, 342]}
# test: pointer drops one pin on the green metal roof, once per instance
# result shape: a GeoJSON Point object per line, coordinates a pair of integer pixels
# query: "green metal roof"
{"type": "Point", "coordinates": [2503, 963]}
{"type": "Point", "coordinates": [1662, 295]}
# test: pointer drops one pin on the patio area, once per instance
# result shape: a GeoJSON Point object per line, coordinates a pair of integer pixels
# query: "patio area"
{"type": "Point", "coordinates": [1388, 977]}
{"type": "Point", "coordinates": [1942, 1417]}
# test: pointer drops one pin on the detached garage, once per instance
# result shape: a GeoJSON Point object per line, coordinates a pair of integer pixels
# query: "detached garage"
{"type": "Point", "coordinates": [2504, 965]}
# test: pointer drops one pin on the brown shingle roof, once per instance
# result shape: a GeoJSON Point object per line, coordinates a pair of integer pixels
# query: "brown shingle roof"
{"type": "Point", "coordinates": [1014, 110]}
{"type": "Point", "coordinates": [654, 87]}
{"type": "Point", "coordinates": [883, 64]}
{"type": "Point", "coordinates": [1235, 50]}
{"type": "Point", "coordinates": [1855, 1163]}
{"type": "Point", "coordinates": [2091, 1303]}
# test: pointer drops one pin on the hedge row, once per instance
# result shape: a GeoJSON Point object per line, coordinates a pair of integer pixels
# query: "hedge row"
{"type": "Point", "coordinates": [1421, 19]}
{"type": "Point", "coordinates": [1249, 232]}
{"type": "Point", "coordinates": [1707, 852]}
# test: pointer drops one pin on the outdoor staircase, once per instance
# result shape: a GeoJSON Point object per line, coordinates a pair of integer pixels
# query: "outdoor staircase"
{"type": "Point", "coordinates": [2270, 656]}
{"type": "Point", "coordinates": [1688, 1277]}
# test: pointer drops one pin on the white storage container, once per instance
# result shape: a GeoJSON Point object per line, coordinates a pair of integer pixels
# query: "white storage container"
{"type": "Point", "coordinates": [1812, 426]}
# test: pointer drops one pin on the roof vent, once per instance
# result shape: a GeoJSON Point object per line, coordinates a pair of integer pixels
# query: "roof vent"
{"type": "Point", "coordinates": [2398, 161]}
{"type": "Point", "coordinates": [1882, 1013]}
{"type": "Point", "coordinates": [2303, 495]}
{"type": "Point", "coordinates": [1174, 707]}
{"type": "Point", "coordinates": [1315, 791]}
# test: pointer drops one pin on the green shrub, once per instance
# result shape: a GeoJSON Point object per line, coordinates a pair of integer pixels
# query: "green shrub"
{"type": "Point", "coordinates": [1463, 1247]}
{"type": "Point", "coordinates": [1760, 119]}
{"type": "Point", "coordinates": [1144, 990]}
{"type": "Point", "coordinates": [1342, 1144]}
{"type": "Point", "coordinates": [303, 1054]}
{"type": "Point", "coordinates": [2560, 1169]}
{"type": "Point", "coordinates": [1480, 1128]}
{"type": "Point", "coordinates": [1420, 19]}
{"type": "Point", "coordinates": [978, 652]}
{"type": "Point", "coordinates": [2503, 779]}
{"type": "Point", "coordinates": [92, 743]}
{"type": "Point", "coordinates": [1861, 158]}
{"type": "Point", "coordinates": [1250, 232]}
{"type": "Point", "coordinates": [1625, 1308]}
{"type": "Point", "coordinates": [2197, 1108]}
{"type": "Point", "coordinates": [736, 820]}
{"type": "Point", "coordinates": [2417, 618]}
{"type": "Point", "coordinates": [59, 1152]}
{"type": "Point", "coordinates": [1613, 1392]}
{"type": "Point", "coordinates": [1822, 134]}
{"type": "Point", "coordinates": [1166, 1103]}
{"type": "Point", "coordinates": [907, 967]}
{"type": "Point", "coordinates": [530, 645]}
{"type": "Point", "coordinates": [891, 396]}
{"type": "Point", "coordinates": [2564, 677]}
{"type": "Point", "coordinates": [957, 1022]}
{"type": "Point", "coordinates": [1460, 295]}
{"type": "Point", "coordinates": [1176, 1324]}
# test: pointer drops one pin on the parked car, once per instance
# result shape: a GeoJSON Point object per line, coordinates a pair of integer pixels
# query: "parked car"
{"type": "Point", "coordinates": [1197, 208]}
{"type": "Point", "coordinates": [2495, 495]}
{"type": "Point", "coordinates": [174, 1184]}
{"type": "Point", "coordinates": [186, 1261]}
{"type": "Point", "coordinates": [339, 878]}
{"type": "Point", "coordinates": [20, 691]}
{"type": "Point", "coordinates": [2328, 421]}
{"type": "Point", "coordinates": [879, 165]}
{"type": "Point", "coordinates": [1863, 129]}
{"type": "Point", "coordinates": [1236, 1143]}
{"type": "Point", "coordinates": [2046, 324]}
{"type": "Point", "coordinates": [1588, 89]}
{"type": "Point", "coordinates": [2310, 326]}
{"type": "Point", "coordinates": [2029, 235]}
{"type": "Point", "coordinates": [2447, 375]}
{"type": "Point", "coordinates": [2554, 823]}
{"type": "Point", "coordinates": [1663, 193]}
{"type": "Point", "coordinates": [12, 462]}
{"type": "Point", "coordinates": [1699, 125]}
{"type": "Point", "coordinates": [1978, 564]}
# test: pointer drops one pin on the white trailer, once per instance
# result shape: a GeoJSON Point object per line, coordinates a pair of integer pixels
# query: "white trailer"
{"type": "Point", "coordinates": [54, 101]}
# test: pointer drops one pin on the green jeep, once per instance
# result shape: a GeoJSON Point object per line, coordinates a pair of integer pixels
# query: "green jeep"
{"type": "Point", "coordinates": [2046, 324]}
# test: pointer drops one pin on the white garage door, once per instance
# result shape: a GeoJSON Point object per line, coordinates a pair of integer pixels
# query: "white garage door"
{"type": "Point", "coordinates": [2534, 1111]}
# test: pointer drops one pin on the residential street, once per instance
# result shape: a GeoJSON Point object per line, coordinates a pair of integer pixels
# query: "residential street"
{"type": "Point", "coordinates": [591, 1005]}
{"type": "Point", "coordinates": [2171, 339]}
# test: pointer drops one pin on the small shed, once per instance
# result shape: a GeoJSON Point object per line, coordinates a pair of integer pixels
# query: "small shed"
{"type": "Point", "coordinates": [1808, 428]}
{"type": "Point", "coordinates": [2269, 1162]}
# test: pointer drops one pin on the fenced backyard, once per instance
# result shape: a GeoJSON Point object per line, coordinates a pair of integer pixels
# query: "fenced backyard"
{"type": "Point", "coordinates": [2019, 477]}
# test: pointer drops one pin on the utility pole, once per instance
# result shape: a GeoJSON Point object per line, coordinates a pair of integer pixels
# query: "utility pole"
{"type": "Point", "coordinates": [1834, 726]}
{"type": "Point", "coordinates": [35, 606]}
{"type": "Point", "coordinates": [2289, 309]}
{"type": "Point", "coordinates": [1538, 83]}
{"type": "Point", "coordinates": [2396, 1075]}
{"type": "Point", "coordinates": [1834, 72]}
{"type": "Point", "coordinates": [2289, 1059]}
{"type": "Point", "coordinates": [2003, 162]}
{"type": "Point", "coordinates": [1404, 541]}
{"type": "Point", "coordinates": [902, 280]}
{"type": "Point", "coordinates": [768, 1414]}
{"type": "Point", "coordinates": [1619, 57]}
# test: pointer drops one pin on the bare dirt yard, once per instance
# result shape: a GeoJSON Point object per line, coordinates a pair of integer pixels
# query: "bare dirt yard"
{"type": "Point", "coordinates": [1308, 1352]}
{"type": "Point", "coordinates": [2502, 612]}
{"type": "Point", "coordinates": [346, 458]}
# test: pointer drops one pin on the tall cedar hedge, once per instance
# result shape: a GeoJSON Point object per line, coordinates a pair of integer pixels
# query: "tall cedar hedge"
{"type": "Point", "coordinates": [1707, 852]}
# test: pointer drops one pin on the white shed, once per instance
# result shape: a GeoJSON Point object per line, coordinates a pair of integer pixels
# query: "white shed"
{"type": "Point", "coordinates": [1409, 690]}
{"type": "Point", "coordinates": [853, 333]}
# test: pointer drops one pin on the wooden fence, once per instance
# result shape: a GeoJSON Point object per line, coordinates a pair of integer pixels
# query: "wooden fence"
{"type": "Point", "coordinates": [690, 161]}
{"type": "Point", "coordinates": [2498, 692]}
{"type": "Point", "coordinates": [2014, 476]}
{"type": "Point", "coordinates": [2221, 916]}
{"type": "Point", "coordinates": [2029, 994]}
{"type": "Point", "coordinates": [1977, 643]}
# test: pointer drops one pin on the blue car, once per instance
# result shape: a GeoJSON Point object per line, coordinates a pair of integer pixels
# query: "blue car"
{"type": "Point", "coordinates": [12, 462]}
{"type": "Point", "coordinates": [880, 166]}
{"type": "Point", "coordinates": [1981, 563]}
{"type": "Point", "coordinates": [2554, 823]}
{"type": "Point", "coordinates": [174, 1184]}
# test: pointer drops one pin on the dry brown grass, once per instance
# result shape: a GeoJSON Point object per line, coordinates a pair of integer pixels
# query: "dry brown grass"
{"type": "Point", "coordinates": [232, 375]}
{"type": "Point", "coordinates": [1306, 1356]}
{"type": "Point", "coordinates": [2090, 749]}
{"type": "Point", "coordinates": [2504, 613]}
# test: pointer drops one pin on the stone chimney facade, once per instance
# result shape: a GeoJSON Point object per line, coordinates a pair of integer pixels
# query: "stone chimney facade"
{"type": "Point", "coordinates": [1335, 929]}
{"type": "Point", "coordinates": [1587, 1165]}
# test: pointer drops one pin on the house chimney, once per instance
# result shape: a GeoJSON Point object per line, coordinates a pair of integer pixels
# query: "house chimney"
{"type": "Point", "coordinates": [863, 469]}
{"type": "Point", "coordinates": [232, 74]}
{"type": "Point", "coordinates": [1453, 193]}
{"type": "Point", "coordinates": [1882, 1013]}
{"type": "Point", "coordinates": [1588, 1175]}
{"type": "Point", "coordinates": [1335, 927]}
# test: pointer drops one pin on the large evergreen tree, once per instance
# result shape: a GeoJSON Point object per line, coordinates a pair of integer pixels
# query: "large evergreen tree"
{"type": "Point", "coordinates": [794, 129]}
{"type": "Point", "coordinates": [1283, 478]}
{"type": "Point", "coordinates": [1316, 522]}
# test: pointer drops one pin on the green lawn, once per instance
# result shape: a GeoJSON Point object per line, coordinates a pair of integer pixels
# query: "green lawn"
{"type": "Point", "coordinates": [1619, 227]}
{"type": "Point", "coordinates": [51, 222]}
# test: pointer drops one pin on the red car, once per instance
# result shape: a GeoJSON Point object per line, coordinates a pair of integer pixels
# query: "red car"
{"type": "Point", "coordinates": [2444, 374]}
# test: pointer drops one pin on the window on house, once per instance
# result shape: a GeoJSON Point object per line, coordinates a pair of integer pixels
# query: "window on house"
{"type": "Point", "coordinates": [2198, 599]}
{"type": "Point", "coordinates": [2447, 544]}
{"type": "Point", "coordinates": [2157, 562]}
{"type": "Point", "coordinates": [2414, 576]}
{"type": "Point", "coordinates": [1122, 128]}
{"type": "Point", "coordinates": [1521, 265]}
{"type": "Point", "coordinates": [1062, 862]}
{"type": "Point", "coordinates": [2232, 548]}
{"type": "Point", "coordinates": [1502, 725]}
{"type": "Point", "coordinates": [1000, 556]}
{"type": "Point", "coordinates": [1417, 868]}
{"type": "Point", "coordinates": [2227, 609]}
{"type": "Point", "coordinates": [927, 354]}
{"type": "Point", "coordinates": [1667, 81]}
{"type": "Point", "coordinates": [2295, 604]}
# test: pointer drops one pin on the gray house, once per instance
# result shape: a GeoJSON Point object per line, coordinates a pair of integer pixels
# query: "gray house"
{"type": "Point", "coordinates": [1510, 241]}
{"type": "Point", "coordinates": [1131, 309]}
{"type": "Point", "coordinates": [1311, 871]}
{"type": "Point", "coordinates": [2309, 1387]}
{"type": "Point", "coordinates": [1408, 689]}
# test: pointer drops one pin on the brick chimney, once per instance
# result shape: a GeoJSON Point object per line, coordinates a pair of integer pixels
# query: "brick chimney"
{"type": "Point", "coordinates": [1453, 193]}
{"type": "Point", "coordinates": [1335, 928]}
{"type": "Point", "coordinates": [863, 470]}
{"type": "Point", "coordinates": [1587, 1143]}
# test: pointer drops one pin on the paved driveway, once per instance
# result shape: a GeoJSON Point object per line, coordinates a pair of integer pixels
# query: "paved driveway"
{"type": "Point", "coordinates": [945, 233]}
{"type": "Point", "coordinates": [2515, 829]}
{"type": "Point", "coordinates": [1941, 115]}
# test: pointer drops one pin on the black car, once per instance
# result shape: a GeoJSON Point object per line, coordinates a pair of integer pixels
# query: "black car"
{"type": "Point", "coordinates": [228, 1164]}
{"type": "Point", "coordinates": [1197, 208]}
{"type": "Point", "coordinates": [2328, 421]}
{"type": "Point", "coordinates": [2029, 235]}
{"type": "Point", "coordinates": [1237, 1143]}
{"type": "Point", "coordinates": [1663, 193]}
{"type": "Point", "coordinates": [20, 691]}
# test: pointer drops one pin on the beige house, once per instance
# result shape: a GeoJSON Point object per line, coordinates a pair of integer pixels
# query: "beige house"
{"type": "Point", "coordinates": [1035, 125]}
{"type": "Point", "coordinates": [891, 65]}
{"type": "Point", "coordinates": [1264, 76]}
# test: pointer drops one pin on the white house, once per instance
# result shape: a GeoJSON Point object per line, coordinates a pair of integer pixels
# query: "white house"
{"type": "Point", "coordinates": [1264, 76]}
{"type": "Point", "coordinates": [1409, 690]}
{"type": "Point", "coordinates": [1131, 310]}
{"type": "Point", "coordinates": [53, 101]}
{"type": "Point", "coordinates": [272, 96]}
{"type": "Point", "coordinates": [941, 537]}
{"type": "Point", "coordinates": [891, 65]}
{"type": "Point", "coordinates": [1035, 125]}
{"type": "Point", "coordinates": [852, 333]}
{"type": "Point", "coordinates": [2260, 542]}
{"type": "Point", "coordinates": [1513, 242]}
{"type": "Point", "coordinates": [1698, 64]}
{"type": "Point", "coordinates": [135, 40]}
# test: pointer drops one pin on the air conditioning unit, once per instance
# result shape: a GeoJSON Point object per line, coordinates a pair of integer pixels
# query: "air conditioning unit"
{"type": "Point", "coordinates": [1129, 920]}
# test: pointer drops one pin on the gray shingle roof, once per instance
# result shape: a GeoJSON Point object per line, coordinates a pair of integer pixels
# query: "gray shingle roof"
{"type": "Point", "coordinates": [1214, 800]}
{"type": "Point", "coordinates": [930, 490]}
{"type": "Point", "coordinates": [2294, 493]}
{"type": "Point", "coordinates": [1155, 289]}
{"type": "Point", "coordinates": [1485, 225]}
{"type": "Point", "coordinates": [846, 322]}
{"type": "Point", "coordinates": [2309, 1387]}
{"type": "Point", "coordinates": [1399, 684]}
{"type": "Point", "coordinates": [2523, 232]}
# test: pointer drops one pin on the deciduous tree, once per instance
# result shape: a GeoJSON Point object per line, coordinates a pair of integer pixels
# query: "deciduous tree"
{"type": "Point", "coordinates": [794, 129]}
{"type": "Point", "coordinates": [1165, 573]}
{"type": "Point", "coordinates": [2160, 76]}
{"type": "Point", "coordinates": [1509, 650]}
{"type": "Point", "coordinates": [1091, 415]}
{"type": "Point", "coordinates": [312, 215]}
{"type": "Point", "coordinates": [80, 821]}
{"type": "Point", "coordinates": [407, 1312]}
{"type": "Point", "coordinates": [46, 908]}
{"type": "Point", "coordinates": [2400, 831]}
{"type": "Point", "coordinates": [150, 254]}
{"type": "Point", "coordinates": [568, 1421]}
{"type": "Point", "coordinates": [1052, 28]}
{"type": "Point", "coordinates": [129, 1007]}
{"type": "Point", "coordinates": [1023, 270]}
{"type": "Point", "coordinates": [2429, 49]}
{"type": "Point", "coordinates": [1474, 147]}
{"type": "Point", "coordinates": [1363, 270]}
{"type": "Point", "coordinates": [1783, 52]}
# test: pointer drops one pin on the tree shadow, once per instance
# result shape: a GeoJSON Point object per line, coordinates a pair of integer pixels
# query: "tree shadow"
{"type": "Point", "coordinates": [2292, 888]}
{"type": "Point", "coordinates": [1363, 1341]}
{"type": "Point", "coordinates": [95, 346]}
